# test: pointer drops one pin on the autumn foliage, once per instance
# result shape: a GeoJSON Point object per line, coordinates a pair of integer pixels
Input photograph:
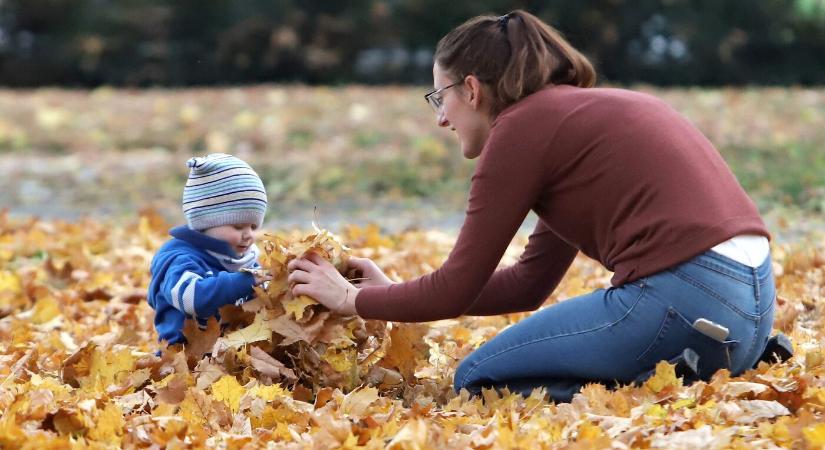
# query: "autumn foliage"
{"type": "Point", "coordinates": [81, 366]}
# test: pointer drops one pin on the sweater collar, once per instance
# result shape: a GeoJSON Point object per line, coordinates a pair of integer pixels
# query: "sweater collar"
{"type": "Point", "coordinates": [249, 259]}
{"type": "Point", "coordinates": [218, 249]}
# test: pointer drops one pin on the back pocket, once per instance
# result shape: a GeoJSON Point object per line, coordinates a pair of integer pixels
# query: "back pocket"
{"type": "Point", "coordinates": [675, 335]}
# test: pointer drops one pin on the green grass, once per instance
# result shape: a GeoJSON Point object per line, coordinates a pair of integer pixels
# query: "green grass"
{"type": "Point", "coordinates": [792, 175]}
{"type": "Point", "coordinates": [109, 150]}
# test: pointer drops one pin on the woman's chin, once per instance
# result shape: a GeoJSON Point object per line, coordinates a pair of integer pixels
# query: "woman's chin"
{"type": "Point", "coordinates": [470, 151]}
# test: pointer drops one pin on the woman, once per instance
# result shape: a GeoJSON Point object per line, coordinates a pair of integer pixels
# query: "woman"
{"type": "Point", "coordinates": [615, 174]}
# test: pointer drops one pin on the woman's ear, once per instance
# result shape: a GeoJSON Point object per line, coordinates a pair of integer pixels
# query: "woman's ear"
{"type": "Point", "coordinates": [475, 91]}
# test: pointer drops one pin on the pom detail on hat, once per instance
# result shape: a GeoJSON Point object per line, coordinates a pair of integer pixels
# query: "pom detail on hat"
{"type": "Point", "coordinates": [222, 190]}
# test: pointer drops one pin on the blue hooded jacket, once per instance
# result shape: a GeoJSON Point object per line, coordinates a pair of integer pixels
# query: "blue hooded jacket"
{"type": "Point", "coordinates": [193, 275]}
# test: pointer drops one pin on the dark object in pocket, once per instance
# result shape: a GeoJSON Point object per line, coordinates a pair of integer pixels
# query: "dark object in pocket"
{"type": "Point", "coordinates": [686, 367]}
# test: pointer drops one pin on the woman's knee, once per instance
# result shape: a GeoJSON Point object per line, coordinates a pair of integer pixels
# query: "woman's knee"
{"type": "Point", "coordinates": [461, 379]}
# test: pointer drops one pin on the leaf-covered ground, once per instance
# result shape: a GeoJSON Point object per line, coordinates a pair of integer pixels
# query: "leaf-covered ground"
{"type": "Point", "coordinates": [79, 368]}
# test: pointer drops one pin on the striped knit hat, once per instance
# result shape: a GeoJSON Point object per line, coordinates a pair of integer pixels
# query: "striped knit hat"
{"type": "Point", "coordinates": [222, 190]}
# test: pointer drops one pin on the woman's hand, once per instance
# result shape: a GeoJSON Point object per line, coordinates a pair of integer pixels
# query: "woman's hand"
{"type": "Point", "coordinates": [318, 278]}
{"type": "Point", "coordinates": [369, 274]}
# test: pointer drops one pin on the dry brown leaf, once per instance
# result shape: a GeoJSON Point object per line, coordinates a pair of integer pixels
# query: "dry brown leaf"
{"type": "Point", "coordinates": [199, 342]}
{"type": "Point", "coordinates": [269, 366]}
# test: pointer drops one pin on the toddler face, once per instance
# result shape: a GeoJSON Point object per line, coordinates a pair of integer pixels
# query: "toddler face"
{"type": "Point", "coordinates": [240, 235]}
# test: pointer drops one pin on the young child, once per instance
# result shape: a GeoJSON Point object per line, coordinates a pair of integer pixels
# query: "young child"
{"type": "Point", "coordinates": [198, 270]}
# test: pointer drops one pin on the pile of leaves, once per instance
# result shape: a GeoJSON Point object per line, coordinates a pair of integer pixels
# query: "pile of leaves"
{"type": "Point", "coordinates": [295, 340]}
{"type": "Point", "coordinates": [80, 365]}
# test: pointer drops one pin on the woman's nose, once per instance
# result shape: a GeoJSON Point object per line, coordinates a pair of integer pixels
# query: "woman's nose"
{"type": "Point", "coordinates": [442, 121]}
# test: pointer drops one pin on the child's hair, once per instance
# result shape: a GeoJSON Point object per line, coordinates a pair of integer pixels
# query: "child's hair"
{"type": "Point", "coordinates": [222, 190]}
{"type": "Point", "coordinates": [515, 55]}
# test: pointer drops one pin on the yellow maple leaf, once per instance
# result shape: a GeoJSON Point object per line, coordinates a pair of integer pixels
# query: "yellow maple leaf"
{"type": "Point", "coordinates": [191, 411]}
{"type": "Point", "coordinates": [270, 393]}
{"type": "Point", "coordinates": [164, 410]}
{"type": "Point", "coordinates": [665, 376]}
{"type": "Point", "coordinates": [407, 348]}
{"type": "Point", "coordinates": [280, 416]}
{"type": "Point", "coordinates": [342, 360]}
{"type": "Point", "coordinates": [258, 330]}
{"type": "Point", "coordinates": [277, 286]}
{"type": "Point", "coordinates": [815, 435]}
{"type": "Point", "coordinates": [298, 305]}
{"type": "Point", "coordinates": [228, 390]}
{"type": "Point", "coordinates": [11, 434]}
{"type": "Point", "coordinates": [45, 309]}
{"type": "Point", "coordinates": [815, 395]}
{"type": "Point", "coordinates": [110, 367]}
{"type": "Point", "coordinates": [589, 432]}
{"type": "Point", "coordinates": [108, 425]}
{"type": "Point", "coordinates": [778, 431]}
{"type": "Point", "coordinates": [656, 410]}
{"type": "Point", "coordinates": [340, 367]}
{"type": "Point", "coordinates": [10, 292]}
{"type": "Point", "coordinates": [9, 283]}
{"type": "Point", "coordinates": [684, 403]}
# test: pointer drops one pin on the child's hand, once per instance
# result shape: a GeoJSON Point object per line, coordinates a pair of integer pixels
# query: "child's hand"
{"type": "Point", "coordinates": [261, 276]}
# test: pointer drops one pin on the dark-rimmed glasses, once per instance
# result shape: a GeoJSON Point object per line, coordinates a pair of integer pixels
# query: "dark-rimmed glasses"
{"type": "Point", "coordinates": [435, 99]}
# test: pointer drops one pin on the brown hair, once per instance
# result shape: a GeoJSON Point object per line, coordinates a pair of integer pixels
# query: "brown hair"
{"type": "Point", "coordinates": [514, 55]}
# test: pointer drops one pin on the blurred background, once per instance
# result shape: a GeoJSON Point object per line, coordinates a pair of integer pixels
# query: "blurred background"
{"type": "Point", "coordinates": [103, 101]}
{"type": "Point", "coordinates": [208, 42]}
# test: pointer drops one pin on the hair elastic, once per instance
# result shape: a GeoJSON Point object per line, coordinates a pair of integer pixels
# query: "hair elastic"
{"type": "Point", "coordinates": [502, 22]}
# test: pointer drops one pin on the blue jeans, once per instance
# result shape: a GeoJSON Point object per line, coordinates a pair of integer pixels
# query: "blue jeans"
{"type": "Point", "coordinates": [614, 335]}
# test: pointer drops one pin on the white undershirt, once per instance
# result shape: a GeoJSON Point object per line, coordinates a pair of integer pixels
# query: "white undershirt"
{"type": "Point", "coordinates": [748, 249]}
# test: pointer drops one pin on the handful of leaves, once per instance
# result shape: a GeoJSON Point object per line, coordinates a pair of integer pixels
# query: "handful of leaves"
{"type": "Point", "coordinates": [295, 339]}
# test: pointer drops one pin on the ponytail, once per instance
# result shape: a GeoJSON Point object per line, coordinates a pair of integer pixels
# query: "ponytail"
{"type": "Point", "coordinates": [515, 55]}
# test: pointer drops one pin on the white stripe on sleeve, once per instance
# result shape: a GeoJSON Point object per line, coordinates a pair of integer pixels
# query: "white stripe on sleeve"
{"type": "Point", "coordinates": [189, 299]}
{"type": "Point", "coordinates": [176, 300]}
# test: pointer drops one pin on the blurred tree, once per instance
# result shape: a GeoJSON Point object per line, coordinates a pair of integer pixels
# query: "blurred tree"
{"type": "Point", "coordinates": [186, 42]}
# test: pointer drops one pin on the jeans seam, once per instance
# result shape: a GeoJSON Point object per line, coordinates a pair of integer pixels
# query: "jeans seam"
{"type": "Point", "coordinates": [767, 310]}
{"type": "Point", "coordinates": [722, 270]}
{"type": "Point", "coordinates": [475, 365]}
{"type": "Point", "coordinates": [667, 323]}
{"type": "Point", "coordinates": [687, 278]}
{"type": "Point", "coordinates": [758, 321]}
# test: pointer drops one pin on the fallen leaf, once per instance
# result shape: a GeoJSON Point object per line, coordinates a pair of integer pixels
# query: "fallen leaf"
{"type": "Point", "coordinates": [357, 402]}
{"type": "Point", "coordinates": [228, 390]}
{"type": "Point", "coordinates": [298, 305]}
{"type": "Point", "coordinates": [267, 365]}
{"type": "Point", "coordinates": [200, 342]}
{"type": "Point", "coordinates": [259, 330]}
{"type": "Point", "coordinates": [665, 377]}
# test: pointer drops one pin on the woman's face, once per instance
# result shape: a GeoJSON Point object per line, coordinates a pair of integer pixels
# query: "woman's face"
{"type": "Point", "coordinates": [463, 110]}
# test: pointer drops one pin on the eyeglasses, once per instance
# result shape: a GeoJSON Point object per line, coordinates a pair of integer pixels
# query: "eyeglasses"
{"type": "Point", "coordinates": [435, 99]}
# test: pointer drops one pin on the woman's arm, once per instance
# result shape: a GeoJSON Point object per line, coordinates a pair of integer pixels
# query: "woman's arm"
{"type": "Point", "coordinates": [525, 285]}
{"type": "Point", "coordinates": [507, 183]}
{"type": "Point", "coordinates": [318, 278]}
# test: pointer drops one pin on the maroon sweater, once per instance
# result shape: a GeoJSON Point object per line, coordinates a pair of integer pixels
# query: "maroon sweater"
{"type": "Point", "coordinates": [618, 175]}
